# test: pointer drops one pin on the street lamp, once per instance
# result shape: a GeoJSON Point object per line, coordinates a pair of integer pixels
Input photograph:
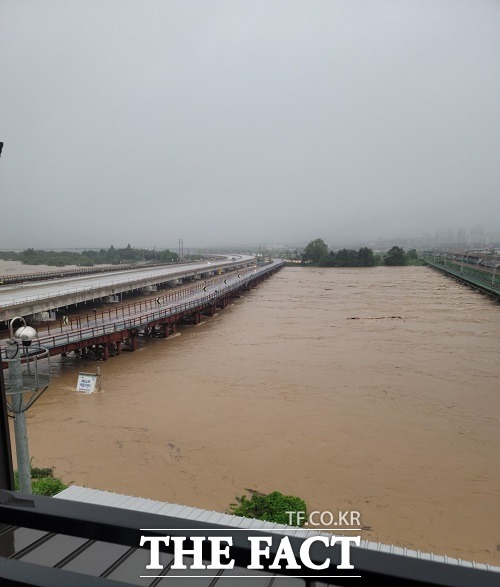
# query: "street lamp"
{"type": "Point", "coordinates": [462, 262]}
{"type": "Point", "coordinates": [28, 377]}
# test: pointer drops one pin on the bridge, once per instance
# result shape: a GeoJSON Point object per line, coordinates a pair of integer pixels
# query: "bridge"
{"type": "Point", "coordinates": [478, 271]}
{"type": "Point", "coordinates": [107, 332]}
{"type": "Point", "coordinates": [29, 299]}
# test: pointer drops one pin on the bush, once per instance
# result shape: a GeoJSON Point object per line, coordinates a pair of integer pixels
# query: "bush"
{"type": "Point", "coordinates": [37, 472]}
{"type": "Point", "coordinates": [47, 486]}
{"type": "Point", "coordinates": [43, 481]}
{"type": "Point", "coordinates": [270, 508]}
{"type": "Point", "coordinates": [396, 256]}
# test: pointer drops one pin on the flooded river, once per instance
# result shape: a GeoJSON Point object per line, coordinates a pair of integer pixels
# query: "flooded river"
{"type": "Point", "coordinates": [373, 390]}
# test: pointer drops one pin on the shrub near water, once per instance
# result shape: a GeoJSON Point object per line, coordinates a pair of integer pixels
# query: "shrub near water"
{"type": "Point", "coordinates": [47, 486]}
{"type": "Point", "coordinates": [43, 482]}
{"type": "Point", "coordinates": [272, 507]}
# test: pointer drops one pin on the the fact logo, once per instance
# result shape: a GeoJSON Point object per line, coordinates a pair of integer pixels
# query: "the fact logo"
{"type": "Point", "coordinates": [266, 552]}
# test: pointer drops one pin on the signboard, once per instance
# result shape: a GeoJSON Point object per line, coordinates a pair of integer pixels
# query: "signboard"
{"type": "Point", "coordinates": [87, 382]}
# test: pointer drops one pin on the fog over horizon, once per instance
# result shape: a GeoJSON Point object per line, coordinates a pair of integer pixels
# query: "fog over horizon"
{"type": "Point", "coordinates": [233, 122]}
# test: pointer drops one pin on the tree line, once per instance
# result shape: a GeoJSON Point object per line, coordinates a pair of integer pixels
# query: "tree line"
{"type": "Point", "coordinates": [89, 258]}
{"type": "Point", "coordinates": [316, 252]}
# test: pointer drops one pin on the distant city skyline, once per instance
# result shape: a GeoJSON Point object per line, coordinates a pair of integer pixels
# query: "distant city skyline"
{"type": "Point", "coordinates": [475, 235]}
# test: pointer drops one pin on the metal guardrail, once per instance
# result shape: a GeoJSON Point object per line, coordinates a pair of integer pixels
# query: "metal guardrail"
{"type": "Point", "coordinates": [142, 320]}
{"type": "Point", "coordinates": [131, 308]}
{"type": "Point", "coordinates": [127, 283]}
{"type": "Point", "coordinates": [61, 273]}
{"type": "Point", "coordinates": [123, 527]}
{"type": "Point", "coordinates": [467, 276]}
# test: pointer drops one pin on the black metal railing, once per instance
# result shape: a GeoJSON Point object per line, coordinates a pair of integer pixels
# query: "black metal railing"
{"type": "Point", "coordinates": [123, 527]}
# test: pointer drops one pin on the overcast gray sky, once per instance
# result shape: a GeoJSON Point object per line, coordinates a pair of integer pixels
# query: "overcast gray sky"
{"type": "Point", "coordinates": [241, 121]}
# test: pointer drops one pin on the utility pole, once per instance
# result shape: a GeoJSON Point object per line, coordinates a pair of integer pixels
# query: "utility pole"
{"type": "Point", "coordinates": [27, 381]}
{"type": "Point", "coordinates": [6, 469]}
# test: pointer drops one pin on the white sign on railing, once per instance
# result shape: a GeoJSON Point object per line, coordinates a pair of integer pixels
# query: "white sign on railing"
{"type": "Point", "coordinates": [88, 382]}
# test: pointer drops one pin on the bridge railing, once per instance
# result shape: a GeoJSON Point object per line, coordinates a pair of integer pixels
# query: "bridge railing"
{"type": "Point", "coordinates": [133, 308]}
{"type": "Point", "coordinates": [142, 320]}
{"type": "Point", "coordinates": [58, 273]}
{"type": "Point", "coordinates": [138, 322]}
{"type": "Point", "coordinates": [471, 276]}
{"type": "Point", "coordinates": [97, 288]}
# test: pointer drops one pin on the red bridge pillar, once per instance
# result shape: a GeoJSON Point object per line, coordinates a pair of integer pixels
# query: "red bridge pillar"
{"type": "Point", "coordinates": [134, 339]}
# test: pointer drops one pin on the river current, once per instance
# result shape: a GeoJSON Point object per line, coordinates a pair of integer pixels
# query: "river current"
{"type": "Point", "coordinates": [370, 390]}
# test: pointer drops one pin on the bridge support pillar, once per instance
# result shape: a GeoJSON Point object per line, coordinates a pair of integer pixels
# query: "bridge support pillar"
{"type": "Point", "coordinates": [134, 339]}
{"type": "Point", "coordinates": [119, 347]}
{"type": "Point", "coordinates": [105, 352]}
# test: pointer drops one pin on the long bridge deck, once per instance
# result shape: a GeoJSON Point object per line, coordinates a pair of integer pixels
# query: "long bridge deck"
{"type": "Point", "coordinates": [30, 298]}
{"type": "Point", "coordinates": [105, 333]}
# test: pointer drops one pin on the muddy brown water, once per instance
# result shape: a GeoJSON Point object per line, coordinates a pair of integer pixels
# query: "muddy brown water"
{"type": "Point", "coordinates": [370, 390]}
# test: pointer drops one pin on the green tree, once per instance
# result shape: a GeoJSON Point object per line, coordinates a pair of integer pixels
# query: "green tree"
{"type": "Point", "coordinates": [396, 256]}
{"type": "Point", "coordinates": [85, 261]}
{"type": "Point", "coordinates": [169, 257]}
{"type": "Point", "coordinates": [347, 258]}
{"type": "Point", "coordinates": [412, 254]}
{"type": "Point", "coordinates": [328, 260]}
{"type": "Point", "coordinates": [315, 250]}
{"type": "Point", "coordinates": [9, 256]}
{"type": "Point", "coordinates": [366, 257]}
{"type": "Point", "coordinates": [111, 256]}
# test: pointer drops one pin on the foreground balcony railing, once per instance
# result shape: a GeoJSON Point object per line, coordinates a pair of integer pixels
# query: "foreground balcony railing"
{"type": "Point", "coordinates": [45, 541]}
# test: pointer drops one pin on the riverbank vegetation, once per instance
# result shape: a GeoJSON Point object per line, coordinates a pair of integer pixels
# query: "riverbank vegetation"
{"type": "Point", "coordinates": [90, 257]}
{"type": "Point", "coordinates": [43, 481]}
{"type": "Point", "coordinates": [364, 257]}
{"type": "Point", "coordinates": [316, 253]}
{"type": "Point", "coordinates": [271, 507]}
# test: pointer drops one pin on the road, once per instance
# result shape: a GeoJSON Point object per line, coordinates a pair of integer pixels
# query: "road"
{"type": "Point", "coordinates": [28, 298]}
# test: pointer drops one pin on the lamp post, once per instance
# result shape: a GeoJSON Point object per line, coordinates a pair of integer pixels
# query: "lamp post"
{"type": "Point", "coordinates": [29, 377]}
{"type": "Point", "coordinates": [6, 470]}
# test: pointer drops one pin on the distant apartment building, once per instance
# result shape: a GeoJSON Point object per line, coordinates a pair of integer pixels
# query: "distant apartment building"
{"type": "Point", "coordinates": [477, 235]}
